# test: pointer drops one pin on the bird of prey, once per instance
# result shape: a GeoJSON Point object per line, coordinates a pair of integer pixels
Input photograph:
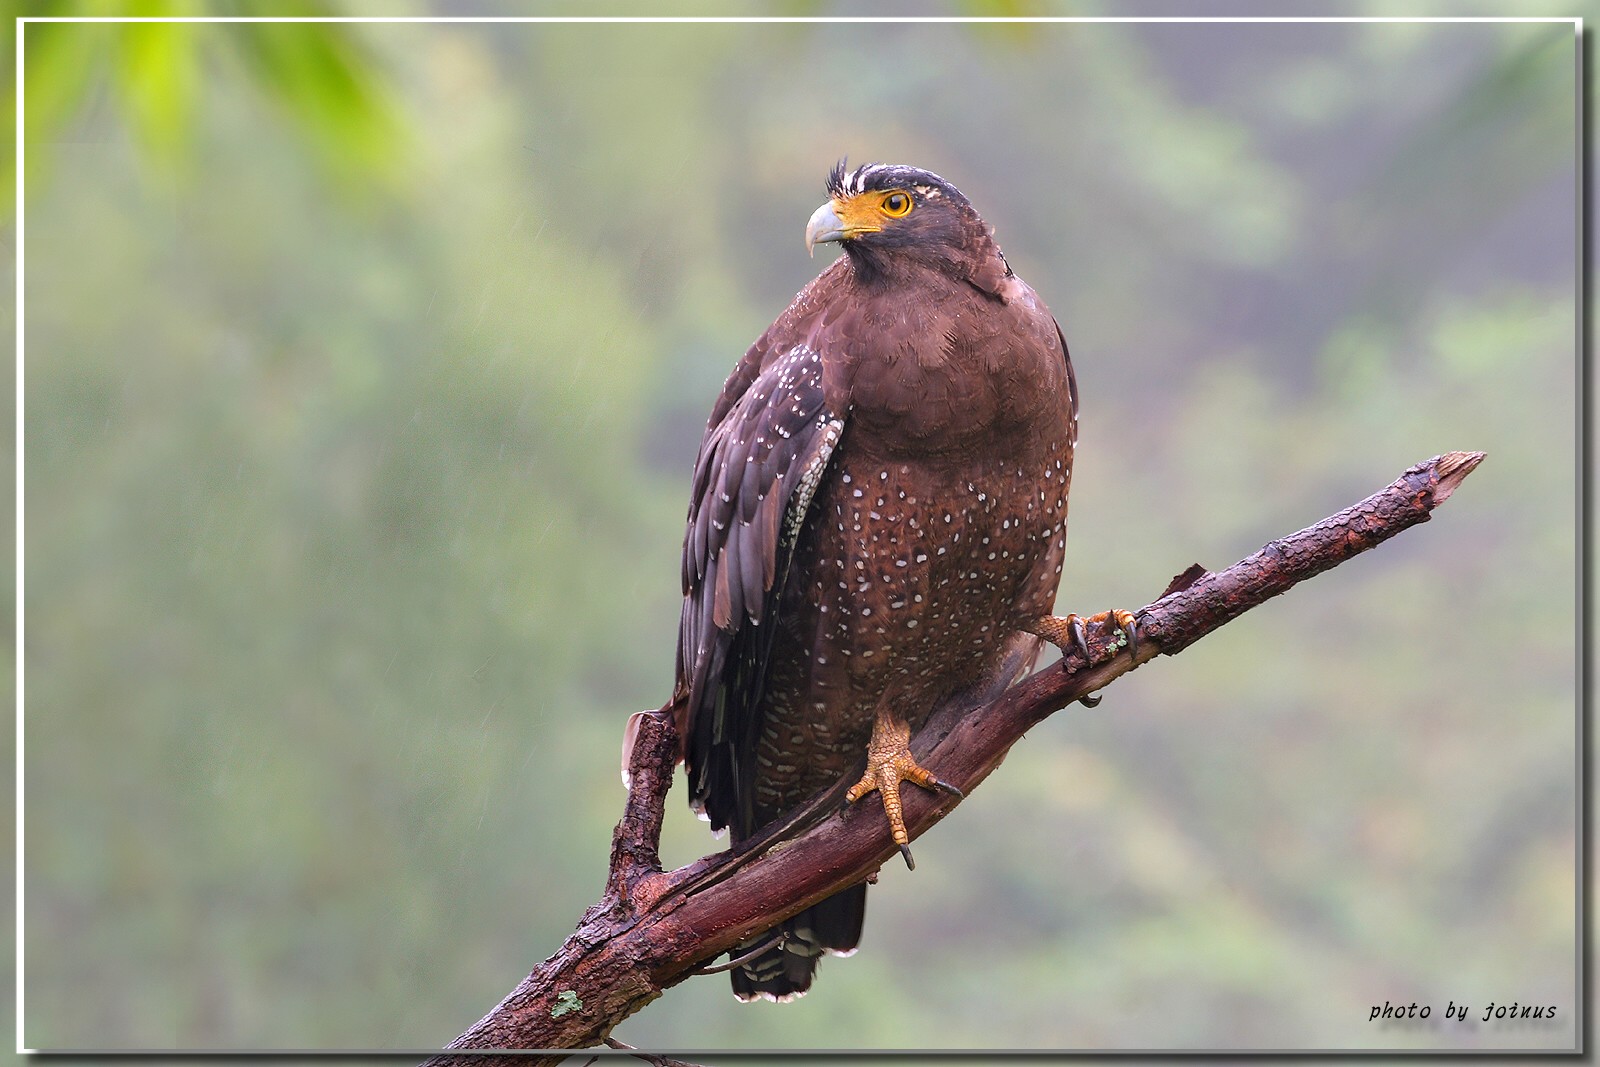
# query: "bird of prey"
{"type": "Point", "coordinates": [877, 524]}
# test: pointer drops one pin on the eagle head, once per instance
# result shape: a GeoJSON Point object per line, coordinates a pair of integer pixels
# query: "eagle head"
{"type": "Point", "coordinates": [888, 213]}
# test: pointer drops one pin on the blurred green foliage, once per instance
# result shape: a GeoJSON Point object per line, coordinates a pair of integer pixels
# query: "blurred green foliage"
{"type": "Point", "coordinates": [156, 75]}
{"type": "Point", "coordinates": [365, 365]}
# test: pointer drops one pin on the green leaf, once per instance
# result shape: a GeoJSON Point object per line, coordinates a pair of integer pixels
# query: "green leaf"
{"type": "Point", "coordinates": [158, 75]}
{"type": "Point", "coordinates": [327, 86]}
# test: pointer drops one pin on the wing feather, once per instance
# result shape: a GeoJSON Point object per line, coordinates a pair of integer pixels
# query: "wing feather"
{"type": "Point", "coordinates": [754, 480]}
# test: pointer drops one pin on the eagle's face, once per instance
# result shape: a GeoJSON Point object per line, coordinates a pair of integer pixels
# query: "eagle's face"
{"type": "Point", "coordinates": [882, 212]}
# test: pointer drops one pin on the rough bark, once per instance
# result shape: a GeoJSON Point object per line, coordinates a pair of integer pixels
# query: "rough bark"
{"type": "Point", "coordinates": [653, 929]}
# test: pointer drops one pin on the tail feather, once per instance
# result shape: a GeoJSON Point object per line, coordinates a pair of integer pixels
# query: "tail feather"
{"type": "Point", "coordinates": [784, 971]}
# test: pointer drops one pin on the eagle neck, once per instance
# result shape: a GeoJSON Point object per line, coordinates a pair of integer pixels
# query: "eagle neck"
{"type": "Point", "coordinates": [876, 270]}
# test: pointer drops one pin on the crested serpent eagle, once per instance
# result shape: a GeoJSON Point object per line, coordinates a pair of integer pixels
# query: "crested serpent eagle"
{"type": "Point", "coordinates": [876, 524]}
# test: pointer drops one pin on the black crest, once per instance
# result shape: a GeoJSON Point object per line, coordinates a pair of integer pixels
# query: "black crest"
{"type": "Point", "coordinates": [844, 182]}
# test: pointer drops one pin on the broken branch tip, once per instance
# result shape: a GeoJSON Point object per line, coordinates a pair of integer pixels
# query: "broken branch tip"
{"type": "Point", "coordinates": [1452, 468]}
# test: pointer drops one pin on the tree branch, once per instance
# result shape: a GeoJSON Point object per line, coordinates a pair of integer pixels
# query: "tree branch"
{"type": "Point", "coordinates": [652, 929]}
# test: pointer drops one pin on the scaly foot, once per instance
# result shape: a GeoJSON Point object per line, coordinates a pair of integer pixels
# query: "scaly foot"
{"type": "Point", "coordinates": [1068, 633]}
{"type": "Point", "coordinates": [889, 763]}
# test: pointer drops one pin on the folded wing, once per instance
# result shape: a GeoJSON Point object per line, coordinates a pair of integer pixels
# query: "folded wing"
{"type": "Point", "coordinates": [754, 481]}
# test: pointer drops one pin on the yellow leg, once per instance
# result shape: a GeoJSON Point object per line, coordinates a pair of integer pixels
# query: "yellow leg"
{"type": "Point", "coordinates": [889, 763]}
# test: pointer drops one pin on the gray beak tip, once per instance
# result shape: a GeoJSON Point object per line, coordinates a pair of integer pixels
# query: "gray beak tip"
{"type": "Point", "coordinates": [824, 226]}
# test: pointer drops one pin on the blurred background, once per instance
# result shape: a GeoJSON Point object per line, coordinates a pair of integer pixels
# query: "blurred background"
{"type": "Point", "coordinates": [365, 366]}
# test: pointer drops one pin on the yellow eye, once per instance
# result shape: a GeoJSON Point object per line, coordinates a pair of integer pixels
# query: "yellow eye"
{"type": "Point", "coordinates": [895, 205]}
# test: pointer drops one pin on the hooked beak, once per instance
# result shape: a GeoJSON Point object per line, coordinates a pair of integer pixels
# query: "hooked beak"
{"type": "Point", "coordinates": [825, 225]}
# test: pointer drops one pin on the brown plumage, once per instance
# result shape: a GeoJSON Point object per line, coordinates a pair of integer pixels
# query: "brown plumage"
{"type": "Point", "coordinates": [877, 522]}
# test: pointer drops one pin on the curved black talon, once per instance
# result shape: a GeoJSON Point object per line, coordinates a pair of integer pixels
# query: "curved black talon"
{"type": "Point", "coordinates": [946, 787]}
{"type": "Point", "coordinates": [1090, 701]}
{"type": "Point", "coordinates": [1079, 638]}
{"type": "Point", "coordinates": [1131, 632]}
{"type": "Point", "coordinates": [911, 864]}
